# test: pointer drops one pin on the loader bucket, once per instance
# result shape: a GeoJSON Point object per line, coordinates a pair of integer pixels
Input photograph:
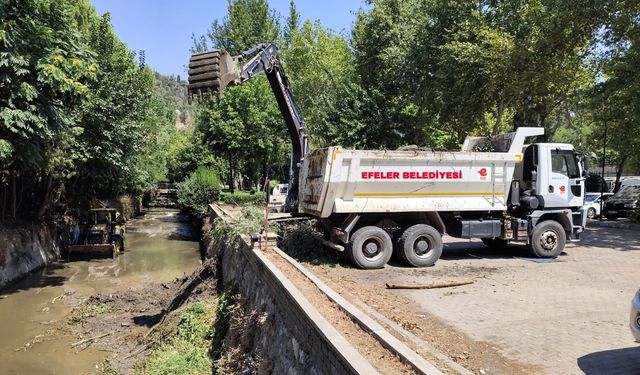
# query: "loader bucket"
{"type": "Point", "coordinates": [107, 249]}
{"type": "Point", "coordinates": [210, 72]}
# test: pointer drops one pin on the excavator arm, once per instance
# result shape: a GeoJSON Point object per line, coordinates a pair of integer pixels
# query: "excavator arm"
{"type": "Point", "coordinates": [212, 71]}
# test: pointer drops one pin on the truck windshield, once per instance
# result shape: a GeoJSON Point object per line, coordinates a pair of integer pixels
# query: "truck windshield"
{"type": "Point", "coordinates": [565, 163]}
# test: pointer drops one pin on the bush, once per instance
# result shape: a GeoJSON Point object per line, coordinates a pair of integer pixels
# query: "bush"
{"type": "Point", "coordinates": [250, 220]}
{"type": "Point", "coordinates": [199, 190]}
{"type": "Point", "coordinates": [239, 198]}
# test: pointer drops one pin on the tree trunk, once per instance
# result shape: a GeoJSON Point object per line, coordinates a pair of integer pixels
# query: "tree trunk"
{"type": "Point", "coordinates": [13, 195]}
{"type": "Point", "coordinates": [616, 186]}
{"type": "Point", "coordinates": [231, 180]}
{"type": "Point", "coordinates": [45, 201]}
{"type": "Point", "coordinates": [4, 200]}
{"type": "Point", "coordinates": [498, 123]}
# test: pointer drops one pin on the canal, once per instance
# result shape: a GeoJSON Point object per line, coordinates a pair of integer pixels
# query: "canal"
{"type": "Point", "coordinates": [160, 246]}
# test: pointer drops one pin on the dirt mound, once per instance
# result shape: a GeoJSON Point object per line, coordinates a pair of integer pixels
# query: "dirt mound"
{"type": "Point", "coordinates": [127, 323]}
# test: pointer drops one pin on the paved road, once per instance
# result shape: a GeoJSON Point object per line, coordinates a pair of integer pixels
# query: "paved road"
{"type": "Point", "coordinates": [569, 316]}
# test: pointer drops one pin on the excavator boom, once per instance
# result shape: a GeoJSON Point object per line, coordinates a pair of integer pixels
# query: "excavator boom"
{"type": "Point", "coordinates": [212, 71]}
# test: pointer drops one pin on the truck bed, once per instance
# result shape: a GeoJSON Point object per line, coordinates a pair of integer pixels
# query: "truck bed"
{"type": "Point", "coordinates": [337, 180]}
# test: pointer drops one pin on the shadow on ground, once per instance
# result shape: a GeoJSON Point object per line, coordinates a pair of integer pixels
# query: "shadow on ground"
{"type": "Point", "coordinates": [43, 277]}
{"type": "Point", "coordinates": [611, 362]}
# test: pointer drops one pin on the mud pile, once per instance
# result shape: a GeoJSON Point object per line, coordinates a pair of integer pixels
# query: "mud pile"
{"type": "Point", "coordinates": [128, 323]}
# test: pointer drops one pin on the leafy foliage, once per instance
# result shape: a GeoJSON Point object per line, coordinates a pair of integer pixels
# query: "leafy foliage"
{"type": "Point", "coordinates": [200, 189]}
{"type": "Point", "coordinates": [79, 117]}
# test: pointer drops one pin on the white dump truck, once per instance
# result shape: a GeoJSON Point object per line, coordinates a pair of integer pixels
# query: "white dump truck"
{"type": "Point", "coordinates": [372, 203]}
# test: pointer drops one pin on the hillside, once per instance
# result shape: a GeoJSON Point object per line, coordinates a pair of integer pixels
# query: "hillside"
{"type": "Point", "coordinates": [174, 91]}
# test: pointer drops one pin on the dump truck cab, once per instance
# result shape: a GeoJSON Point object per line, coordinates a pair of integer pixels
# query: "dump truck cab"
{"type": "Point", "coordinates": [553, 172]}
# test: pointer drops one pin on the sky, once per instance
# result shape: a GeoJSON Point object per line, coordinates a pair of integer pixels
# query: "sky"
{"type": "Point", "coordinates": [163, 28]}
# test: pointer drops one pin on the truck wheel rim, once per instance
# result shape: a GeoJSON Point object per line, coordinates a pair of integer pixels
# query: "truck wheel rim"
{"type": "Point", "coordinates": [549, 240]}
{"type": "Point", "coordinates": [371, 248]}
{"type": "Point", "coordinates": [422, 246]}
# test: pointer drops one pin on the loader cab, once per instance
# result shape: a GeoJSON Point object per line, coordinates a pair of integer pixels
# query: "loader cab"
{"type": "Point", "coordinates": [554, 173]}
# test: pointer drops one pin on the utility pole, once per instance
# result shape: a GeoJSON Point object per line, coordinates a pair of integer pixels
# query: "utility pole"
{"type": "Point", "coordinates": [604, 157]}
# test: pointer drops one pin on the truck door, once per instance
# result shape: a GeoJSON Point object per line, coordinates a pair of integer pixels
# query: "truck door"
{"type": "Point", "coordinates": [561, 183]}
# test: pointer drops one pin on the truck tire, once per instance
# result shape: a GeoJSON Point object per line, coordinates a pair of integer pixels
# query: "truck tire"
{"type": "Point", "coordinates": [118, 244]}
{"type": "Point", "coordinates": [495, 243]}
{"type": "Point", "coordinates": [370, 247]}
{"type": "Point", "coordinates": [548, 239]}
{"type": "Point", "coordinates": [420, 245]}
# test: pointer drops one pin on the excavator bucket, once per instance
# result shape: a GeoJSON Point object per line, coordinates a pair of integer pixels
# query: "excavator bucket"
{"type": "Point", "coordinates": [210, 72]}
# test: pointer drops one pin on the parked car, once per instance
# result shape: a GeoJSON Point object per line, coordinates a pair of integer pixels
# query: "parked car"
{"type": "Point", "coordinates": [623, 203]}
{"type": "Point", "coordinates": [634, 322]}
{"type": "Point", "coordinates": [278, 197]}
{"type": "Point", "coordinates": [592, 203]}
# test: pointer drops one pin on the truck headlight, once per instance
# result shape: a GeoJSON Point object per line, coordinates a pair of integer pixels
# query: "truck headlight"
{"type": "Point", "coordinates": [630, 205]}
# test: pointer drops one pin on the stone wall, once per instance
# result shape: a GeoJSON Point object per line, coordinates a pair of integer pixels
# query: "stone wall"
{"type": "Point", "coordinates": [26, 248]}
{"type": "Point", "coordinates": [293, 337]}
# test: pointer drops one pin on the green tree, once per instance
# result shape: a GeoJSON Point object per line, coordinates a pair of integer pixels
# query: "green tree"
{"type": "Point", "coordinates": [248, 23]}
{"type": "Point", "coordinates": [45, 70]}
{"type": "Point", "coordinates": [319, 64]}
{"type": "Point", "coordinates": [245, 126]}
{"type": "Point", "coordinates": [460, 67]}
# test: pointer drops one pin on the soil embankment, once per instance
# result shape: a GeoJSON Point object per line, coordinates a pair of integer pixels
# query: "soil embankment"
{"type": "Point", "coordinates": [130, 323]}
{"type": "Point", "coordinates": [25, 248]}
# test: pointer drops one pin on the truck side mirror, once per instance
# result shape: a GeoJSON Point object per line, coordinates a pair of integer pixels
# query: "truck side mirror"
{"type": "Point", "coordinates": [585, 165]}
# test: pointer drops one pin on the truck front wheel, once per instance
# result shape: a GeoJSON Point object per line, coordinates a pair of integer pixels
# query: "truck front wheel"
{"type": "Point", "coordinates": [548, 239]}
{"type": "Point", "coordinates": [420, 245]}
{"type": "Point", "coordinates": [370, 247]}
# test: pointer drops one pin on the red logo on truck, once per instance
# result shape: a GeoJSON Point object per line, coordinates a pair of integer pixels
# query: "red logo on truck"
{"type": "Point", "coordinates": [563, 188]}
{"type": "Point", "coordinates": [483, 172]}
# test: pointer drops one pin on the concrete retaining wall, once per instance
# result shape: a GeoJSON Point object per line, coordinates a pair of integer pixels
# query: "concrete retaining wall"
{"type": "Point", "coordinates": [26, 248]}
{"type": "Point", "coordinates": [296, 339]}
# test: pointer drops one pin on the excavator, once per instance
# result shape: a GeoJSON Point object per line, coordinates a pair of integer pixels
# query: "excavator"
{"type": "Point", "coordinates": [372, 203]}
{"type": "Point", "coordinates": [212, 71]}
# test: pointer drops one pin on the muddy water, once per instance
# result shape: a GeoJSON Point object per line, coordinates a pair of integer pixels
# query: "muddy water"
{"type": "Point", "coordinates": [159, 247]}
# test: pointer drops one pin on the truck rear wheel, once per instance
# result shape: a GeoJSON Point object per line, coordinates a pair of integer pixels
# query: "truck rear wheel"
{"type": "Point", "coordinates": [420, 245]}
{"type": "Point", "coordinates": [548, 239]}
{"type": "Point", "coordinates": [370, 247]}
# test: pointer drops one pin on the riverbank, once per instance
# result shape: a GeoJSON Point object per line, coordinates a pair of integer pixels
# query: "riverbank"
{"type": "Point", "coordinates": [26, 248]}
{"type": "Point", "coordinates": [36, 310]}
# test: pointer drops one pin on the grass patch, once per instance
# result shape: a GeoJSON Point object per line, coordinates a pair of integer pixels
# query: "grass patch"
{"type": "Point", "coordinates": [84, 311]}
{"type": "Point", "coordinates": [187, 350]}
{"type": "Point", "coordinates": [220, 327]}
